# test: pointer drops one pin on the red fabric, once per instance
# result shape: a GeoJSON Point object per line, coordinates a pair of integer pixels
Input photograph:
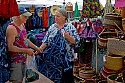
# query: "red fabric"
{"type": "Point", "coordinates": [45, 17]}
{"type": "Point", "coordinates": [8, 8]}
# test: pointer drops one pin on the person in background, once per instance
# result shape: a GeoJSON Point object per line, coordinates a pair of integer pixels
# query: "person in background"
{"type": "Point", "coordinates": [69, 34]}
{"type": "Point", "coordinates": [18, 46]}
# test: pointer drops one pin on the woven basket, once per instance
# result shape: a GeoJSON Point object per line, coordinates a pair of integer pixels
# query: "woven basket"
{"type": "Point", "coordinates": [69, 7]}
{"type": "Point", "coordinates": [114, 79]}
{"type": "Point", "coordinates": [106, 72]}
{"type": "Point", "coordinates": [116, 46]}
{"type": "Point", "coordinates": [76, 70]}
{"type": "Point", "coordinates": [86, 72]}
{"type": "Point", "coordinates": [113, 62]}
{"type": "Point", "coordinates": [103, 37]}
{"type": "Point", "coordinates": [109, 19]}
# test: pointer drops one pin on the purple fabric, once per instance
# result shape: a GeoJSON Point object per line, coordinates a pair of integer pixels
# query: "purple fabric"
{"type": "Point", "coordinates": [119, 3]}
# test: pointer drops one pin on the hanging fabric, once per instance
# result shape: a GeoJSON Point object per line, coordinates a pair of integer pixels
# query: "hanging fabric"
{"type": "Point", "coordinates": [8, 8]}
{"type": "Point", "coordinates": [97, 26]}
{"type": "Point", "coordinates": [45, 17]}
{"type": "Point", "coordinates": [4, 58]}
{"type": "Point", "coordinates": [37, 21]}
{"type": "Point", "coordinates": [91, 8]}
{"type": "Point", "coordinates": [119, 3]}
{"type": "Point", "coordinates": [88, 32]}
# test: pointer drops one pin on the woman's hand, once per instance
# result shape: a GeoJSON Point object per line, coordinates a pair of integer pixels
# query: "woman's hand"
{"type": "Point", "coordinates": [65, 34]}
{"type": "Point", "coordinates": [38, 50]}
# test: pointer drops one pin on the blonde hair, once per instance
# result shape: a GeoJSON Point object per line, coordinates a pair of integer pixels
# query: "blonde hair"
{"type": "Point", "coordinates": [14, 18]}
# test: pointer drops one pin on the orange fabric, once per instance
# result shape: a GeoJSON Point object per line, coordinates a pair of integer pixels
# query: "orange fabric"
{"type": "Point", "coordinates": [45, 17]}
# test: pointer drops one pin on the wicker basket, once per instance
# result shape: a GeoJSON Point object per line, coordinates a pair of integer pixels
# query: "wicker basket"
{"type": "Point", "coordinates": [103, 37]}
{"type": "Point", "coordinates": [69, 7]}
{"type": "Point", "coordinates": [113, 62]}
{"type": "Point", "coordinates": [116, 46]}
{"type": "Point", "coordinates": [76, 70]}
{"type": "Point", "coordinates": [86, 72]}
{"type": "Point", "coordinates": [114, 79]}
{"type": "Point", "coordinates": [109, 19]}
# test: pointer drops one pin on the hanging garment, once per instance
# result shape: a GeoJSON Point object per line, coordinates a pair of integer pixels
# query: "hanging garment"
{"type": "Point", "coordinates": [4, 58]}
{"type": "Point", "coordinates": [87, 32]}
{"type": "Point", "coordinates": [91, 8]}
{"type": "Point", "coordinates": [54, 60]}
{"type": "Point", "coordinates": [85, 57]}
{"type": "Point", "coordinates": [36, 20]}
{"type": "Point", "coordinates": [97, 26]}
{"type": "Point", "coordinates": [8, 8]}
{"type": "Point", "coordinates": [45, 17]}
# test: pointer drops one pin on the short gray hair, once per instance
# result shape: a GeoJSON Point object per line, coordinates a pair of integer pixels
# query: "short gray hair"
{"type": "Point", "coordinates": [63, 12]}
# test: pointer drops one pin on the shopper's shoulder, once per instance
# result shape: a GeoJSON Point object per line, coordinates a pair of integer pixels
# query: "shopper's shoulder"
{"type": "Point", "coordinates": [11, 27]}
{"type": "Point", "coordinates": [70, 25]}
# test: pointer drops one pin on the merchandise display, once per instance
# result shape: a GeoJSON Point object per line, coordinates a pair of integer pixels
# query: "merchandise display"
{"type": "Point", "coordinates": [99, 57]}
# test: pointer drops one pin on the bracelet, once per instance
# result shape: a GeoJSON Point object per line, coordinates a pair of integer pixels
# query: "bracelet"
{"type": "Point", "coordinates": [37, 47]}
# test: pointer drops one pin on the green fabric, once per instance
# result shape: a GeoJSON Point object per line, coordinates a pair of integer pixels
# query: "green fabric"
{"type": "Point", "coordinates": [76, 11]}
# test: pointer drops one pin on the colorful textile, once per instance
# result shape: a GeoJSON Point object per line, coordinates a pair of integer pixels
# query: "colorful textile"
{"type": "Point", "coordinates": [76, 12]}
{"type": "Point", "coordinates": [8, 8]}
{"type": "Point", "coordinates": [4, 74]}
{"type": "Point", "coordinates": [91, 8]}
{"type": "Point", "coordinates": [85, 57]}
{"type": "Point", "coordinates": [45, 17]}
{"type": "Point", "coordinates": [97, 26]}
{"type": "Point", "coordinates": [55, 59]}
{"type": "Point", "coordinates": [119, 3]}
{"type": "Point", "coordinates": [52, 31]}
{"type": "Point", "coordinates": [4, 58]}
{"type": "Point", "coordinates": [58, 54]}
{"type": "Point", "coordinates": [36, 20]}
{"type": "Point", "coordinates": [20, 41]}
{"type": "Point", "coordinates": [88, 32]}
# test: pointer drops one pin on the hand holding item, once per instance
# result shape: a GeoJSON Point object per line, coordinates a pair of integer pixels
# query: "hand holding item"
{"type": "Point", "coordinates": [38, 50]}
{"type": "Point", "coordinates": [64, 34]}
{"type": "Point", "coordinates": [30, 52]}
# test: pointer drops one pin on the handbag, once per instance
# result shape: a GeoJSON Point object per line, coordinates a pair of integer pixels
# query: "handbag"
{"type": "Point", "coordinates": [31, 75]}
{"type": "Point", "coordinates": [116, 46]}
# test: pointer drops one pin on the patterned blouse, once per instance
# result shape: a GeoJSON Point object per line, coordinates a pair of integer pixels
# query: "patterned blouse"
{"type": "Point", "coordinates": [52, 31]}
{"type": "Point", "coordinates": [20, 41]}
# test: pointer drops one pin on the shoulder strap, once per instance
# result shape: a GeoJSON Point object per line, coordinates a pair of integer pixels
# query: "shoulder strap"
{"type": "Point", "coordinates": [15, 27]}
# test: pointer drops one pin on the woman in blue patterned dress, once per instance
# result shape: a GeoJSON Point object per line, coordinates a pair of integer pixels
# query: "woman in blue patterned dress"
{"type": "Point", "coordinates": [58, 49]}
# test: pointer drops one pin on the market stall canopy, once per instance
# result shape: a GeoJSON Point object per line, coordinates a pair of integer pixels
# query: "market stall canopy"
{"type": "Point", "coordinates": [49, 2]}
{"type": "Point", "coordinates": [56, 2]}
